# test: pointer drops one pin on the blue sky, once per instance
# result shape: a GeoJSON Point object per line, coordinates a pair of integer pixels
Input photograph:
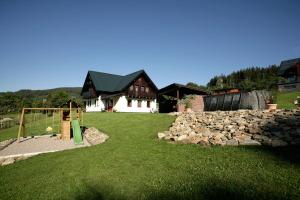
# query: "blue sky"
{"type": "Point", "coordinates": [48, 44]}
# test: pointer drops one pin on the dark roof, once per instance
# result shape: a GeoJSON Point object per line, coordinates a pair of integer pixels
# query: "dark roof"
{"type": "Point", "coordinates": [175, 86]}
{"type": "Point", "coordinates": [114, 83]}
{"type": "Point", "coordinates": [286, 64]}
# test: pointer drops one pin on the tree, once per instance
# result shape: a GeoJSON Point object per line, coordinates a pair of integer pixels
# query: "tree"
{"type": "Point", "coordinates": [57, 99]}
{"type": "Point", "coordinates": [9, 103]}
{"type": "Point", "coordinates": [251, 78]}
{"type": "Point", "coordinates": [196, 86]}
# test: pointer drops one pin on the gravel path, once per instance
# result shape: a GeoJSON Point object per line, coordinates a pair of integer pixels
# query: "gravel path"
{"type": "Point", "coordinates": [40, 144]}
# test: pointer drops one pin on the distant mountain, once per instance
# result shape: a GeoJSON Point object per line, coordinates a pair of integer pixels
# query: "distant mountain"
{"type": "Point", "coordinates": [72, 91]}
{"type": "Point", "coordinates": [12, 102]}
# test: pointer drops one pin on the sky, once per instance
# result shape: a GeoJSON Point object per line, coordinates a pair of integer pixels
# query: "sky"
{"type": "Point", "coordinates": [53, 43]}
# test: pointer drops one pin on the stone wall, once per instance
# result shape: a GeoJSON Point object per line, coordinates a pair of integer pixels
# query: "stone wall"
{"type": "Point", "coordinates": [243, 127]}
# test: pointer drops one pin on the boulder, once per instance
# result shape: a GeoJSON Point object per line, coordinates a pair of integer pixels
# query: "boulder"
{"type": "Point", "coordinates": [161, 135]}
{"type": "Point", "coordinates": [8, 161]}
{"type": "Point", "coordinates": [94, 136]}
{"type": "Point", "coordinates": [182, 137]}
{"type": "Point", "coordinates": [249, 141]}
{"type": "Point", "coordinates": [202, 130]}
{"type": "Point", "coordinates": [278, 143]}
{"type": "Point", "coordinates": [232, 142]}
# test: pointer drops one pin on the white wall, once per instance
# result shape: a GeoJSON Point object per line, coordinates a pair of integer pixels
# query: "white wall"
{"type": "Point", "coordinates": [99, 106]}
{"type": "Point", "coordinates": [121, 105]}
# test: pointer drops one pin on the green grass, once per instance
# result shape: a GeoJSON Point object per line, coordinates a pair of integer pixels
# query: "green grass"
{"type": "Point", "coordinates": [285, 100]}
{"type": "Point", "coordinates": [35, 125]}
{"type": "Point", "coordinates": [134, 164]}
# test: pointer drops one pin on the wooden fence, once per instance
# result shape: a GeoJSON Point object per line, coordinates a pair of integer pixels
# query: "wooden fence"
{"type": "Point", "coordinates": [234, 101]}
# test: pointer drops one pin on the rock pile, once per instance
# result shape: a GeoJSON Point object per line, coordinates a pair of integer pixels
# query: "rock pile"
{"type": "Point", "coordinates": [94, 136]}
{"type": "Point", "coordinates": [243, 127]}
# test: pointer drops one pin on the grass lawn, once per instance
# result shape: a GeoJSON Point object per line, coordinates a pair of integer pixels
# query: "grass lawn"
{"type": "Point", "coordinates": [286, 99]}
{"type": "Point", "coordinates": [134, 164]}
{"type": "Point", "coordinates": [35, 125]}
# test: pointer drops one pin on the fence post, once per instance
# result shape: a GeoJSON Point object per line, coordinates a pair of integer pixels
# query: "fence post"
{"type": "Point", "coordinates": [22, 125]}
{"type": "Point", "coordinates": [231, 101]}
{"type": "Point", "coordinates": [240, 101]}
{"type": "Point", "coordinates": [223, 101]}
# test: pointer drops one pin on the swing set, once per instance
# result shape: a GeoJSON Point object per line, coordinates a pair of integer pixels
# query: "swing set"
{"type": "Point", "coordinates": [61, 127]}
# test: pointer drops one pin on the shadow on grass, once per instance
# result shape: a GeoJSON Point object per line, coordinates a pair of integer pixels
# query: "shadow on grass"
{"type": "Point", "coordinates": [90, 194]}
{"type": "Point", "coordinates": [214, 189]}
{"type": "Point", "coordinates": [289, 154]}
{"type": "Point", "coordinates": [284, 128]}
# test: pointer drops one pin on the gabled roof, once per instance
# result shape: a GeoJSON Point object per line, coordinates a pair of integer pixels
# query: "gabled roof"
{"type": "Point", "coordinates": [105, 82]}
{"type": "Point", "coordinates": [286, 64]}
{"type": "Point", "coordinates": [175, 86]}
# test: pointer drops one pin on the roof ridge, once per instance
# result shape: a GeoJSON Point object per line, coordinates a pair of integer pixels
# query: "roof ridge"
{"type": "Point", "coordinates": [141, 70]}
{"type": "Point", "coordinates": [105, 73]}
{"type": "Point", "coordinates": [290, 60]}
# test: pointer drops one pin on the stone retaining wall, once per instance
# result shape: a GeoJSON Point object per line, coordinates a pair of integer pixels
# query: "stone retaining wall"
{"type": "Point", "coordinates": [243, 127]}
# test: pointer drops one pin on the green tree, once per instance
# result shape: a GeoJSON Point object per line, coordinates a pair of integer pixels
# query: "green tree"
{"type": "Point", "coordinates": [57, 99]}
{"type": "Point", "coordinates": [196, 86]}
{"type": "Point", "coordinates": [251, 78]}
{"type": "Point", "coordinates": [9, 103]}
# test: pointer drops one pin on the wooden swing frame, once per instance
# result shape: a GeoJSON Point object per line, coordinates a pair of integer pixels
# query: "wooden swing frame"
{"type": "Point", "coordinates": [22, 128]}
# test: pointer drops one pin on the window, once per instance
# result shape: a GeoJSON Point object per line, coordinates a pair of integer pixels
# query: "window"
{"type": "Point", "coordinates": [148, 104]}
{"type": "Point", "coordinates": [142, 89]}
{"type": "Point", "coordinates": [96, 102]}
{"type": "Point", "coordinates": [136, 88]}
{"type": "Point", "coordinates": [139, 103]}
{"type": "Point", "coordinates": [129, 103]}
{"type": "Point", "coordinates": [131, 88]}
{"type": "Point", "coordinates": [147, 89]}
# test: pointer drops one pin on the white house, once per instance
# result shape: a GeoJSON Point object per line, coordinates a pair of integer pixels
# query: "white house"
{"type": "Point", "coordinates": [109, 92]}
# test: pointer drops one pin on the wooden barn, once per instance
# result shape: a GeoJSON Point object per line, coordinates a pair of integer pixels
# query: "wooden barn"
{"type": "Point", "coordinates": [169, 96]}
{"type": "Point", "coordinates": [289, 71]}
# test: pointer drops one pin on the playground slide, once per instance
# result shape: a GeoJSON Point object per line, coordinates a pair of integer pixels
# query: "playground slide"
{"type": "Point", "coordinates": [76, 132]}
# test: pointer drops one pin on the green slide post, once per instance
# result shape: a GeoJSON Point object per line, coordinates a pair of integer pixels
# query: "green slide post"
{"type": "Point", "coordinates": [76, 132]}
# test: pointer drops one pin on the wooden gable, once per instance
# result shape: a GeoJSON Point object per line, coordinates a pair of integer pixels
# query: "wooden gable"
{"type": "Point", "coordinates": [142, 87]}
{"type": "Point", "coordinates": [88, 89]}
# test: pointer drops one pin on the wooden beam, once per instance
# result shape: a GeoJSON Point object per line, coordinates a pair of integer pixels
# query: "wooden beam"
{"type": "Point", "coordinates": [177, 95]}
{"type": "Point", "coordinates": [21, 124]}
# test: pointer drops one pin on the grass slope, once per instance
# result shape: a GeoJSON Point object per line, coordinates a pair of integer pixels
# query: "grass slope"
{"type": "Point", "coordinates": [133, 164]}
{"type": "Point", "coordinates": [285, 100]}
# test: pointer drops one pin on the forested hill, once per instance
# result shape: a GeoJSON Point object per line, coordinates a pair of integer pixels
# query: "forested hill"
{"type": "Point", "coordinates": [72, 91]}
{"type": "Point", "coordinates": [11, 102]}
{"type": "Point", "coordinates": [251, 78]}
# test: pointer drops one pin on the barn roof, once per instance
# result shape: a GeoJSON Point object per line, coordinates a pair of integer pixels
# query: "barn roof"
{"type": "Point", "coordinates": [286, 64]}
{"type": "Point", "coordinates": [185, 89]}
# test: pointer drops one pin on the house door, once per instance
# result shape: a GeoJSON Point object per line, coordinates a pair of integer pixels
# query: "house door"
{"type": "Point", "coordinates": [110, 104]}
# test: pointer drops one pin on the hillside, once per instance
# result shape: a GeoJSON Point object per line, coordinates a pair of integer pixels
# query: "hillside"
{"type": "Point", "coordinates": [11, 102]}
{"type": "Point", "coordinates": [72, 91]}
